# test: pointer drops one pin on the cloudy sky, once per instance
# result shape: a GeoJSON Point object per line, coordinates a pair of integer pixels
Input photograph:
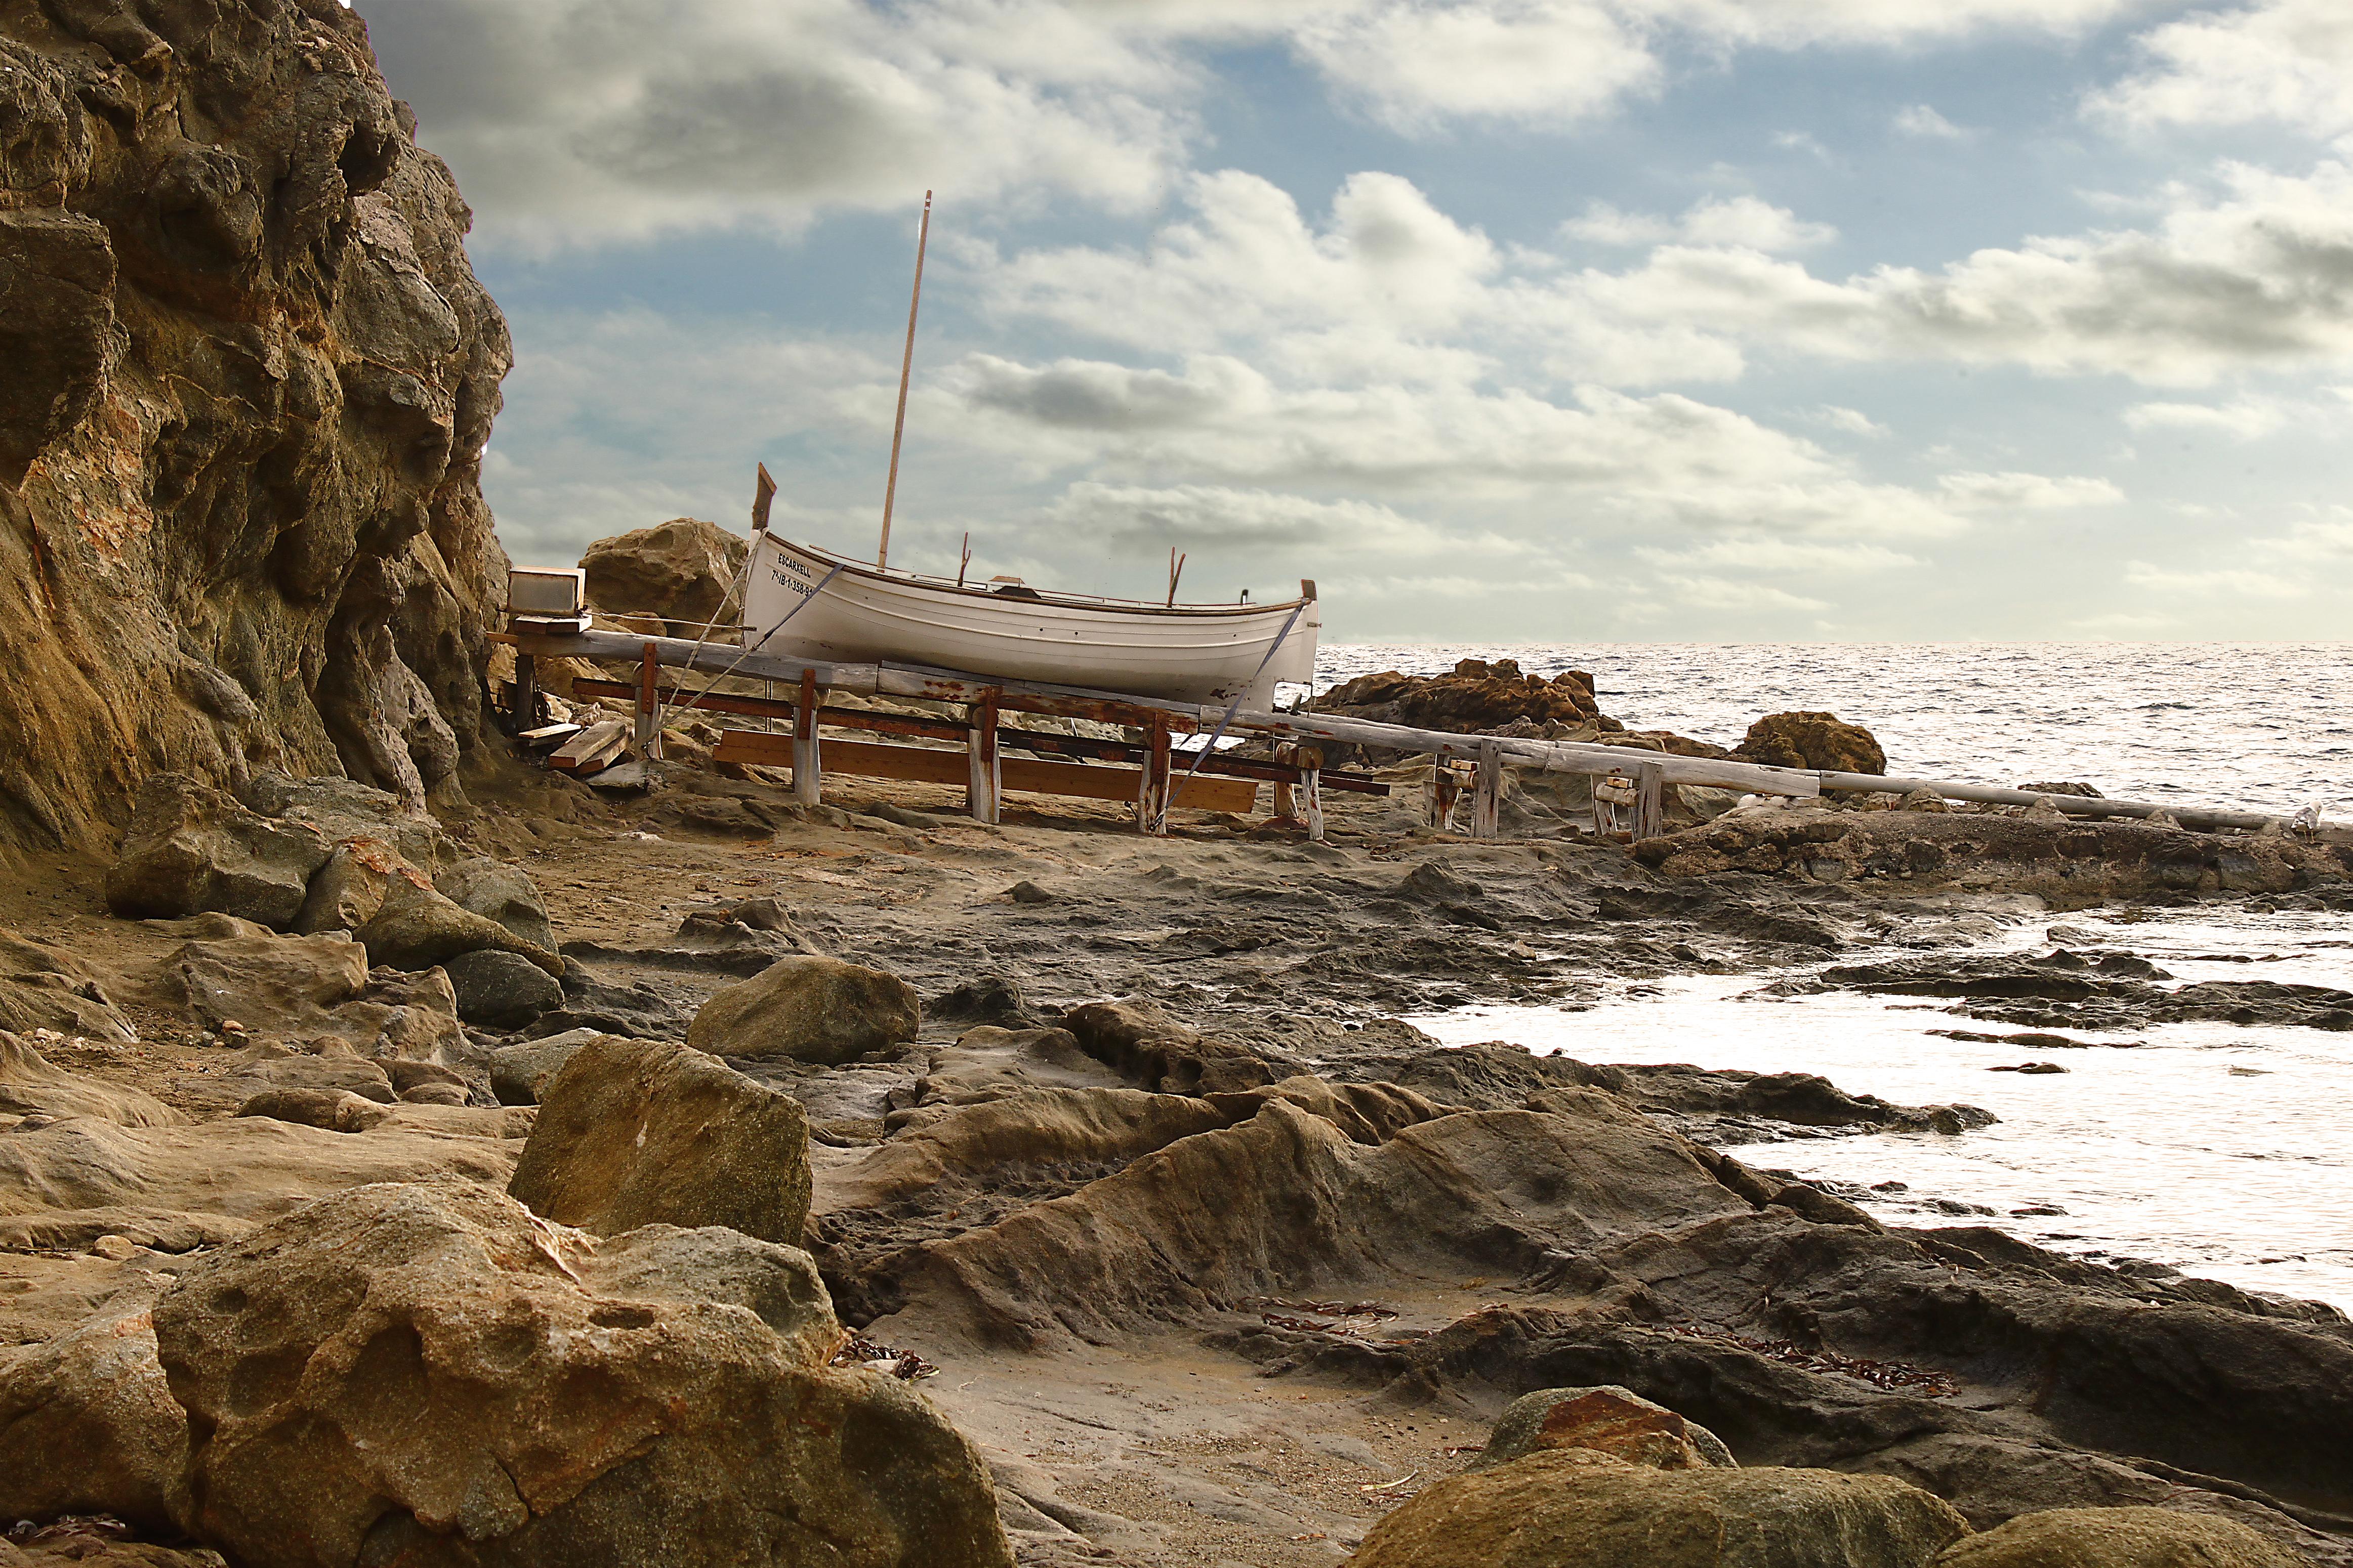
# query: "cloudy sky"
{"type": "Point", "coordinates": [1505, 320]}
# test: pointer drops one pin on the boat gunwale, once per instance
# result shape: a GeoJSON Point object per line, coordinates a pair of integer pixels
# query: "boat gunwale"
{"type": "Point", "coordinates": [1100, 603]}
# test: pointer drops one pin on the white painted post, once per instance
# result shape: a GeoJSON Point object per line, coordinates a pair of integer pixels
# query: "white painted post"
{"type": "Point", "coordinates": [984, 791]}
{"type": "Point", "coordinates": [805, 783]}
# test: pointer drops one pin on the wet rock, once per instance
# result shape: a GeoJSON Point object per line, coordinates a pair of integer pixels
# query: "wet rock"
{"type": "Point", "coordinates": [2068, 990]}
{"type": "Point", "coordinates": [31, 1085]}
{"type": "Point", "coordinates": [681, 574]}
{"type": "Point", "coordinates": [810, 1009]}
{"type": "Point", "coordinates": [596, 1005]}
{"type": "Point", "coordinates": [439, 1335]}
{"type": "Point", "coordinates": [503, 893]}
{"type": "Point", "coordinates": [635, 1132]}
{"type": "Point", "coordinates": [86, 1425]}
{"type": "Point", "coordinates": [1575, 1506]}
{"type": "Point", "coordinates": [419, 928]}
{"type": "Point", "coordinates": [501, 990]}
{"type": "Point", "coordinates": [1812, 740]}
{"type": "Point", "coordinates": [2117, 1538]}
{"type": "Point", "coordinates": [191, 849]}
{"type": "Point", "coordinates": [1608, 1420]}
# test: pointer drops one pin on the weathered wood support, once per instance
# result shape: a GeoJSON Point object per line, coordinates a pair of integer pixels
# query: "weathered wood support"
{"type": "Point", "coordinates": [649, 706]}
{"type": "Point", "coordinates": [523, 704]}
{"type": "Point", "coordinates": [806, 782]}
{"type": "Point", "coordinates": [1152, 789]}
{"type": "Point", "coordinates": [1650, 800]}
{"type": "Point", "coordinates": [1487, 792]}
{"type": "Point", "coordinates": [985, 788]}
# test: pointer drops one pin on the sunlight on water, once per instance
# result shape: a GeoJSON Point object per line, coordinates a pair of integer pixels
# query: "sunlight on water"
{"type": "Point", "coordinates": [2222, 1151]}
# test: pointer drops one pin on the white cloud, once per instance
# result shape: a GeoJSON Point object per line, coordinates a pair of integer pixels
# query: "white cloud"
{"type": "Point", "coordinates": [2234, 580]}
{"type": "Point", "coordinates": [2279, 61]}
{"type": "Point", "coordinates": [2245, 419]}
{"type": "Point", "coordinates": [1809, 558]}
{"type": "Point", "coordinates": [1734, 593]}
{"type": "Point", "coordinates": [2027, 492]}
{"type": "Point", "coordinates": [1921, 120]}
{"type": "Point", "coordinates": [1217, 517]}
{"type": "Point", "coordinates": [1744, 222]}
{"type": "Point", "coordinates": [1853, 422]}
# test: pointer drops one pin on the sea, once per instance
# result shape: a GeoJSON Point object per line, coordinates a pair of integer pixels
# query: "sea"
{"type": "Point", "coordinates": [2223, 1152]}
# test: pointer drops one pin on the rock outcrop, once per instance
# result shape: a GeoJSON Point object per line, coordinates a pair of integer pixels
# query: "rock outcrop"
{"type": "Point", "coordinates": [1477, 695]}
{"type": "Point", "coordinates": [672, 578]}
{"type": "Point", "coordinates": [2117, 1538]}
{"type": "Point", "coordinates": [429, 1375]}
{"type": "Point", "coordinates": [635, 1132]}
{"type": "Point", "coordinates": [1606, 1420]}
{"type": "Point", "coordinates": [249, 378]}
{"type": "Point", "coordinates": [1812, 740]}
{"type": "Point", "coordinates": [809, 1009]}
{"type": "Point", "coordinates": [1576, 1506]}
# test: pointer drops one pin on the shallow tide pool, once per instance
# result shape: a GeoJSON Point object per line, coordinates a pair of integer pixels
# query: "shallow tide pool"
{"type": "Point", "coordinates": [2222, 1151]}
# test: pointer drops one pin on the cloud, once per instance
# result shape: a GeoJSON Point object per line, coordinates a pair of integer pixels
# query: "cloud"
{"type": "Point", "coordinates": [1851, 421]}
{"type": "Point", "coordinates": [2286, 62]}
{"type": "Point", "coordinates": [1921, 120]}
{"type": "Point", "coordinates": [2237, 579]}
{"type": "Point", "coordinates": [2245, 419]}
{"type": "Point", "coordinates": [1805, 557]}
{"type": "Point", "coordinates": [1739, 221]}
{"type": "Point", "coordinates": [2027, 492]}
{"type": "Point", "coordinates": [1215, 517]}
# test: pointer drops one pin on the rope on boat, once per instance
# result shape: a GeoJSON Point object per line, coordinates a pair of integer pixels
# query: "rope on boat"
{"type": "Point", "coordinates": [709, 685]}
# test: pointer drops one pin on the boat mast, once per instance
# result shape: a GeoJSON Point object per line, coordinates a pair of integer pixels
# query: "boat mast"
{"type": "Point", "coordinates": [906, 365]}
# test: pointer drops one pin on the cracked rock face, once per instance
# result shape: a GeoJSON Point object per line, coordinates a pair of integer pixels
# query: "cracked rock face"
{"type": "Point", "coordinates": [250, 377]}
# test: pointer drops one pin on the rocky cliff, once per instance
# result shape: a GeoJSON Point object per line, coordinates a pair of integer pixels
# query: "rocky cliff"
{"type": "Point", "coordinates": [249, 374]}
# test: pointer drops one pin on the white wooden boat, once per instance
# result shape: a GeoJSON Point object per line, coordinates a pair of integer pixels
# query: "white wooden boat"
{"type": "Point", "coordinates": [811, 604]}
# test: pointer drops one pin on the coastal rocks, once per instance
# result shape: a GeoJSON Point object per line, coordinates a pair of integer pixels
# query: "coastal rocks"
{"type": "Point", "coordinates": [520, 1074]}
{"type": "Point", "coordinates": [1812, 740]}
{"type": "Point", "coordinates": [501, 990]}
{"type": "Point", "coordinates": [1606, 1420]}
{"type": "Point", "coordinates": [1154, 1052]}
{"type": "Point", "coordinates": [345, 809]}
{"type": "Point", "coordinates": [503, 893]}
{"type": "Point", "coordinates": [1476, 695]}
{"type": "Point", "coordinates": [350, 888]}
{"type": "Point", "coordinates": [679, 574]}
{"type": "Point", "coordinates": [277, 984]}
{"type": "Point", "coordinates": [810, 1009]}
{"type": "Point", "coordinates": [42, 987]}
{"type": "Point", "coordinates": [635, 1132]}
{"type": "Point", "coordinates": [394, 1375]}
{"type": "Point", "coordinates": [2068, 990]}
{"type": "Point", "coordinates": [86, 1425]}
{"type": "Point", "coordinates": [192, 848]}
{"type": "Point", "coordinates": [333, 1109]}
{"type": "Point", "coordinates": [1575, 1506]}
{"type": "Point", "coordinates": [31, 1085]}
{"type": "Point", "coordinates": [251, 376]}
{"type": "Point", "coordinates": [2117, 1538]}
{"type": "Point", "coordinates": [417, 928]}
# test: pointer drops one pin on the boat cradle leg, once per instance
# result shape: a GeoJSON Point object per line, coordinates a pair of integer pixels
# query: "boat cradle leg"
{"type": "Point", "coordinates": [649, 729]}
{"type": "Point", "coordinates": [805, 782]}
{"type": "Point", "coordinates": [982, 793]}
{"type": "Point", "coordinates": [1311, 790]}
{"type": "Point", "coordinates": [1487, 792]}
{"type": "Point", "coordinates": [525, 699]}
{"type": "Point", "coordinates": [1152, 789]}
{"type": "Point", "coordinates": [1650, 800]}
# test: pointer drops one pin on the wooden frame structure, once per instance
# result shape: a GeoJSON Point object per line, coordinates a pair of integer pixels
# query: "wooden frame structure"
{"type": "Point", "coordinates": [1460, 763]}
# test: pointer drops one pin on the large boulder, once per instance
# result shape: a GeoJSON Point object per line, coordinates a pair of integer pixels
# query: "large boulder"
{"type": "Point", "coordinates": [290, 985]}
{"type": "Point", "coordinates": [501, 990]}
{"type": "Point", "coordinates": [500, 893]}
{"type": "Point", "coordinates": [1577, 1506]}
{"type": "Point", "coordinates": [427, 1374]}
{"type": "Point", "coordinates": [1812, 740]}
{"type": "Point", "coordinates": [348, 890]}
{"type": "Point", "coordinates": [681, 572]}
{"type": "Point", "coordinates": [192, 848]}
{"type": "Point", "coordinates": [30, 1084]}
{"type": "Point", "coordinates": [2117, 1538]}
{"type": "Point", "coordinates": [637, 1132]}
{"type": "Point", "coordinates": [520, 1074]}
{"type": "Point", "coordinates": [1607, 1419]}
{"type": "Point", "coordinates": [345, 809]}
{"type": "Point", "coordinates": [86, 1425]}
{"type": "Point", "coordinates": [417, 928]}
{"type": "Point", "coordinates": [1475, 695]}
{"type": "Point", "coordinates": [811, 1009]}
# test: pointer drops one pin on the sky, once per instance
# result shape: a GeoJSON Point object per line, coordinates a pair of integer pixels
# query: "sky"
{"type": "Point", "coordinates": [1506, 321]}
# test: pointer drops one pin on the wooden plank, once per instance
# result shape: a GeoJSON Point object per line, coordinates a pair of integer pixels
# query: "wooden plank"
{"type": "Point", "coordinates": [592, 748]}
{"type": "Point", "coordinates": [927, 765]}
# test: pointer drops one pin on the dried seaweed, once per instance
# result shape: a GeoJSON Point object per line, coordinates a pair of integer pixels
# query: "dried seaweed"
{"type": "Point", "coordinates": [1887, 1374]}
{"type": "Point", "coordinates": [857, 1349]}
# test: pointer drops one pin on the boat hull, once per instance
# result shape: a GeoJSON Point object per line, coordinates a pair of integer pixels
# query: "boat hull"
{"type": "Point", "coordinates": [846, 612]}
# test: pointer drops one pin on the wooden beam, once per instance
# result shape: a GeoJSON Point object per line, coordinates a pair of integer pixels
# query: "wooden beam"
{"type": "Point", "coordinates": [649, 706]}
{"type": "Point", "coordinates": [1487, 792]}
{"type": "Point", "coordinates": [928, 764]}
{"type": "Point", "coordinates": [523, 712]}
{"type": "Point", "coordinates": [1650, 800]}
{"type": "Point", "coordinates": [591, 749]}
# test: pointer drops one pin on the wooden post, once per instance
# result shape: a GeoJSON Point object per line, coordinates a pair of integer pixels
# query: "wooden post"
{"type": "Point", "coordinates": [1286, 794]}
{"type": "Point", "coordinates": [1442, 789]}
{"type": "Point", "coordinates": [649, 707]}
{"type": "Point", "coordinates": [806, 781]}
{"type": "Point", "coordinates": [982, 794]}
{"type": "Point", "coordinates": [1650, 801]}
{"type": "Point", "coordinates": [1487, 792]}
{"type": "Point", "coordinates": [1311, 789]}
{"type": "Point", "coordinates": [524, 704]}
{"type": "Point", "coordinates": [1152, 789]}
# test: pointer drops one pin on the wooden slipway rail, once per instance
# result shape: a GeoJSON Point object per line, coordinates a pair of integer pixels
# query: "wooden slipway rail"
{"type": "Point", "coordinates": [1468, 764]}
